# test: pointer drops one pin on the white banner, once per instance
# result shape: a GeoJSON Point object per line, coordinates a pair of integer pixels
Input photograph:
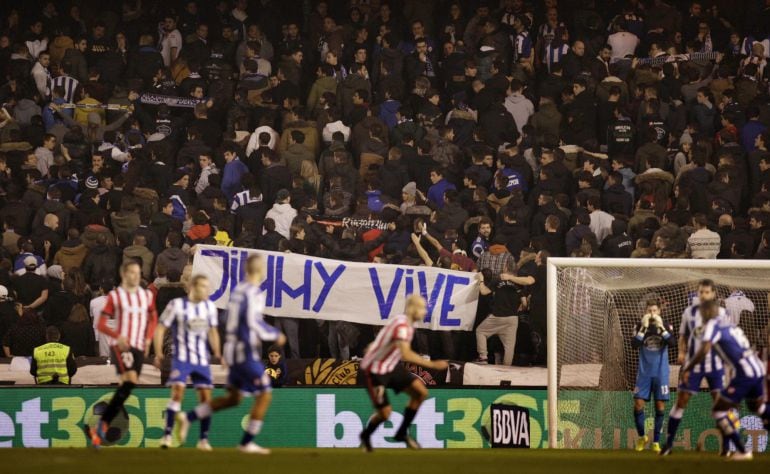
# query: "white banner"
{"type": "Point", "coordinates": [317, 288]}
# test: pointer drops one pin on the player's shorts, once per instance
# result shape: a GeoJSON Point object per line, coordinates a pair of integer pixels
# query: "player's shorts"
{"type": "Point", "coordinates": [744, 388]}
{"type": "Point", "coordinates": [647, 387]}
{"type": "Point", "coordinates": [199, 375]}
{"type": "Point", "coordinates": [250, 378]}
{"type": "Point", "coordinates": [715, 380]}
{"type": "Point", "coordinates": [127, 361]}
{"type": "Point", "coordinates": [398, 380]}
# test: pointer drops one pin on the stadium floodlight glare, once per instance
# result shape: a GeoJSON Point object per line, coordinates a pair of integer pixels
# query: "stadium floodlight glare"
{"type": "Point", "coordinates": [594, 303]}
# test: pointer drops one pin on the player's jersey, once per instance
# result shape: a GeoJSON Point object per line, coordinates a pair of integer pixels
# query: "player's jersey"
{"type": "Point", "coordinates": [653, 352]}
{"type": "Point", "coordinates": [190, 323]}
{"type": "Point", "coordinates": [384, 354]}
{"type": "Point", "coordinates": [246, 327]}
{"type": "Point", "coordinates": [734, 347]}
{"type": "Point", "coordinates": [691, 328]}
{"type": "Point", "coordinates": [135, 315]}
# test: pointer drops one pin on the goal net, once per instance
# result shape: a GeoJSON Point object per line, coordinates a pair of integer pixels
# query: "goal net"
{"type": "Point", "coordinates": [593, 308]}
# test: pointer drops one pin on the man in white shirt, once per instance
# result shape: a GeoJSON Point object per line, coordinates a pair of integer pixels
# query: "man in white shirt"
{"type": "Point", "coordinates": [96, 307]}
{"type": "Point", "coordinates": [171, 41]}
{"type": "Point", "coordinates": [601, 222]}
{"type": "Point", "coordinates": [42, 75]}
{"type": "Point", "coordinates": [623, 43]}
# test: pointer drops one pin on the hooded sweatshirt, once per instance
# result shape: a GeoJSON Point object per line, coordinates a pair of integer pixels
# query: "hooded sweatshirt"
{"type": "Point", "coordinates": [144, 255]}
{"type": "Point", "coordinates": [172, 259]}
{"type": "Point", "coordinates": [520, 108]}
{"type": "Point", "coordinates": [283, 215]}
{"type": "Point", "coordinates": [70, 255]}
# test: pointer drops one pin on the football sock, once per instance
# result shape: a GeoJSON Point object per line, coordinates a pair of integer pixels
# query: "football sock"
{"type": "Point", "coordinates": [659, 414]}
{"type": "Point", "coordinates": [674, 418]}
{"type": "Point", "coordinates": [255, 426]}
{"type": "Point", "coordinates": [728, 430]}
{"type": "Point", "coordinates": [171, 410]}
{"type": "Point", "coordinates": [409, 415]}
{"type": "Point", "coordinates": [203, 410]}
{"type": "Point", "coordinates": [639, 422]}
{"type": "Point", "coordinates": [371, 427]}
{"type": "Point", "coordinates": [205, 425]}
{"type": "Point", "coordinates": [120, 397]}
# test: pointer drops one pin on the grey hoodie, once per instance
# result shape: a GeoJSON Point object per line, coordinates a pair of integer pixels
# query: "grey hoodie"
{"type": "Point", "coordinates": [520, 108]}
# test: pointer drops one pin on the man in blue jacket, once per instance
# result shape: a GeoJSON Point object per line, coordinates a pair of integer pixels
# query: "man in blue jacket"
{"type": "Point", "coordinates": [233, 172]}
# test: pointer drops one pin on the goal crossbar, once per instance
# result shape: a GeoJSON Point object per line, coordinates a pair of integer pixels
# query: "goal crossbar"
{"type": "Point", "coordinates": [555, 263]}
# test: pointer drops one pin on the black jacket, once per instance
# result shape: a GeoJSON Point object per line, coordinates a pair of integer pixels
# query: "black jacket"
{"type": "Point", "coordinates": [617, 246]}
{"type": "Point", "coordinates": [616, 199]}
{"type": "Point", "coordinates": [101, 264]}
{"type": "Point", "coordinates": [274, 178]}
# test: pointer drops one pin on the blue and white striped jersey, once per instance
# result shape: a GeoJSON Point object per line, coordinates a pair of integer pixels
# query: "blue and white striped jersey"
{"type": "Point", "coordinates": [731, 343]}
{"type": "Point", "coordinates": [691, 328]}
{"type": "Point", "coordinates": [246, 327]}
{"type": "Point", "coordinates": [244, 198]}
{"type": "Point", "coordinates": [69, 84]}
{"type": "Point", "coordinates": [553, 54]}
{"type": "Point", "coordinates": [190, 323]}
{"type": "Point", "coordinates": [522, 46]}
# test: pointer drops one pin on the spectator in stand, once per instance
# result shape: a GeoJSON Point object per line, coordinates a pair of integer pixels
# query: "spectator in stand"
{"type": "Point", "coordinates": [537, 135]}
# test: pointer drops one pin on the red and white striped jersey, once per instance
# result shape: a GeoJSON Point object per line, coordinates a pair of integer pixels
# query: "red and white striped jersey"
{"type": "Point", "coordinates": [135, 314]}
{"type": "Point", "coordinates": [384, 354]}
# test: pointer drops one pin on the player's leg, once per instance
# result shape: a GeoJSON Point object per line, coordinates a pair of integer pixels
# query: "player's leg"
{"type": "Point", "coordinates": [203, 383]}
{"type": "Point", "coordinates": [642, 394]}
{"type": "Point", "coordinates": [683, 395]}
{"type": "Point", "coordinates": [660, 414]}
{"type": "Point", "coordinates": [662, 394]}
{"type": "Point", "coordinates": [257, 414]}
{"type": "Point", "coordinates": [261, 387]}
{"type": "Point", "coordinates": [172, 409]}
{"type": "Point", "coordinates": [417, 394]}
{"type": "Point", "coordinates": [204, 409]}
{"type": "Point", "coordinates": [375, 386]}
{"type": "Point", "coordinates": [721, 414]}
{"type": "Point", "coordinates": [641, 440]}
{"type": "Point", "coordinates": [128, 365]}
{"type": "Point", "coordinates": [716, 384]}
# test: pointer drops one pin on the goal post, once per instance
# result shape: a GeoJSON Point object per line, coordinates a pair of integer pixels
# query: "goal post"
{"type": "Point", "coordinates": [592, 307]}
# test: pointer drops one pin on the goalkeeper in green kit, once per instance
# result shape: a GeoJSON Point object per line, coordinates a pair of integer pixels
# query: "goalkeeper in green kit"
{"type": "Point", "coordinates": [652, 338]}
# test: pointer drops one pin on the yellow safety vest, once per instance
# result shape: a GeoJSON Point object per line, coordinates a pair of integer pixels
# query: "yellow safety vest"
{"type": "Point", "coordinates": [51, 361]}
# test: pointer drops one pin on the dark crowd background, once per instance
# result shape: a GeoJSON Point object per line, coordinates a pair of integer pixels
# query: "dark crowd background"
{"type": "Point", "coordinates": [475, 135]}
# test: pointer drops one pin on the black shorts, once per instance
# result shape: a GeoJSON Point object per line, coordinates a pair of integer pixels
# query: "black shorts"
{"type": "Point", "coordinates": [132, 359]}
{"type": "Point", "coordinates": [398, 380]}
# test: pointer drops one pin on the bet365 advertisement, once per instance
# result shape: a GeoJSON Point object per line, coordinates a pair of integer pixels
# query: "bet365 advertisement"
{"type": "Point", "coordinates": [312, 417]}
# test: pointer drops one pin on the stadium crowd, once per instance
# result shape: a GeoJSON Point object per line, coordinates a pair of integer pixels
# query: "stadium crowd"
{"type": "Point", "coordinates": [473, 135]}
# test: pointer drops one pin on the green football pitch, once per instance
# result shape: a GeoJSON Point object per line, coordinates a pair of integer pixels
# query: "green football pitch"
{"type": "Point", "coordinates": [386, 461]}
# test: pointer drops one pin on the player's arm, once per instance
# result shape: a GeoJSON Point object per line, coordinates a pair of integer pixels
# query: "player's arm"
{"type": "Point", "coordinates": [108, 313]}
{"type": "Point", "coordinates": [166, 320]}
{"type": "Point", "coordinates": [408, 355]}
{"type": "Point", "coordinates": [152, 323]}
{"type": "Point", "coordinates": [265, 331]}
{"type": "Point", "coordinates": [216, 345]}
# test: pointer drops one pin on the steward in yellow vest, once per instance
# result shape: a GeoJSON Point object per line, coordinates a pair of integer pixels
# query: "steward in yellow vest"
{"type": "Point", "coordinates": [52, 363]}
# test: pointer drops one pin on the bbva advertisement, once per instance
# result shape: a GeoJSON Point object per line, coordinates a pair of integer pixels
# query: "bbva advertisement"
{"type": "Point", "coordinates": [319, 417]}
